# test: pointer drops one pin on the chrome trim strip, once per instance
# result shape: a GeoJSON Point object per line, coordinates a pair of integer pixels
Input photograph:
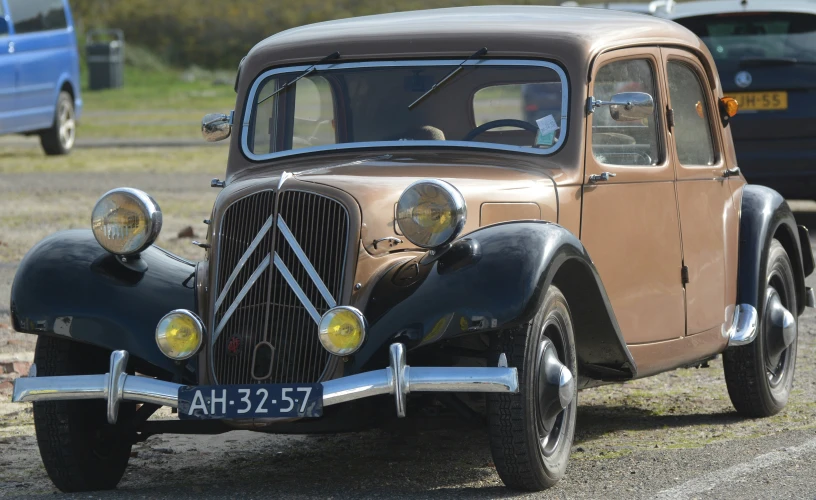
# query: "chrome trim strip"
{"type": "Point", "coordinates": [115, 391]}
{"type": "Point", "coordinates": [304, 261]}
{"type": "Point", "coordinates": [238, 298]}
{"type": "Point", "coordinates": [401, 144]}
{"type": "Point", "coordinates": [244, 258]}
{"type": "Point", "coordinates": [293, 284]}
{"type": "Point", "coordinates": [362, 385]}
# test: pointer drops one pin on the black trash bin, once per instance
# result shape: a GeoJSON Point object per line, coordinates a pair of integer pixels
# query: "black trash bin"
{"type": "Point", "coordinates": [105, 51]}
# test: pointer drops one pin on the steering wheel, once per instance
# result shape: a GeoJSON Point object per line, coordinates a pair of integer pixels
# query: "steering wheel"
{"type": "Point", "coordinates": [507, 122]}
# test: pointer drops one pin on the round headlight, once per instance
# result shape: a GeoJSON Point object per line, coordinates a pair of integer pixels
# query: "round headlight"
{"type": "Point", "coordinates": [179, 334]}
{"type": "Point", "coordinates": [125, 221]}
{"type": "Point", "coordinates": [431, 213]}
{"type": "Point", "coordinates": [342, 330]}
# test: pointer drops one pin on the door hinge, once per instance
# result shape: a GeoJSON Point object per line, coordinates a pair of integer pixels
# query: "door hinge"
{"type": "Point", "coordinates": [670, 117]}
{"type": "Point", "coordinates": [684, 276]}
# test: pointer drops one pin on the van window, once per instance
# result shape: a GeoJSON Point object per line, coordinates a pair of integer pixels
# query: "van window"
{"type": "Point", "coordinates": [30, 16]}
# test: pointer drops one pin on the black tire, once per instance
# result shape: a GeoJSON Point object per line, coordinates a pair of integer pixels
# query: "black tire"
{"type": "Point", "coordinates": [756, 388]}
{"type": "Point", "coordinates": [80, 450]}
{"type": "Point", "coordinates": [521, 460]}
{"type": "Point", "coordinates": [59, 139]}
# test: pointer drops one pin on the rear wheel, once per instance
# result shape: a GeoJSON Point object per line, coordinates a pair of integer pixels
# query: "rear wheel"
{"type": "Point", "coordinates": [531, 432]}
{"type": "Point", "coordinates": [80, 450]}
{"type": "Point", "coordinates": [759, 375]}
{"type": "Point", "coordinates": [59, 139]}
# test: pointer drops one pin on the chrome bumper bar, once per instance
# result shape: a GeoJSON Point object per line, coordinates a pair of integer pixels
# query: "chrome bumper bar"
{"type": "Point", "coordinates": [398, 379]}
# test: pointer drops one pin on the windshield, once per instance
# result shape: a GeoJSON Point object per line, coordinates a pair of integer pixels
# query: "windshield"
{"type": "Point", "coordinates": [497, 104]}
{"type": "Point", "coordinates": [756, 37]}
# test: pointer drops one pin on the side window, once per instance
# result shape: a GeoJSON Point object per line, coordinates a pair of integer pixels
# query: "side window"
{"type": "Point", "coordinates": [4, 28]}
{"type": "Point", "coordinates": [314, 113]}
{"type": "Point", "coordinates": [631, 142]}
{"type": "Point", "coordinates": [692, 132]}
{"type": "Point", "coordinates": [30, 16]}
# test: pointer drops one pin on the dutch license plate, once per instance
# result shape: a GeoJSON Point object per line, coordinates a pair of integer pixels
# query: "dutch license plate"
{"type": "Point", "coordinates": [761, 101]}
{"type": "Point", "coordinates": [250, 401]}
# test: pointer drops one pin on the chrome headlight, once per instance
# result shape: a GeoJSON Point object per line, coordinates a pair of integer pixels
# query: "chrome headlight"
{"type": "Point", "coordinates": [125, 221]}
{"type": "Point", "coordinates": [431, 213]}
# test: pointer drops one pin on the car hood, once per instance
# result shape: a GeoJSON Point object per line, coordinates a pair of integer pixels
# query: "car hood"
{"type": "Point", "coordinates": [492, 193]}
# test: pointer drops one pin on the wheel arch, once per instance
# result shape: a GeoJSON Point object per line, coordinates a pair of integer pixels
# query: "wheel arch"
{"type": "Point", "coordinates": [766, 216]}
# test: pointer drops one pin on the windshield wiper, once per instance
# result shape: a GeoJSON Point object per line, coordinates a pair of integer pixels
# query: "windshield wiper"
{"type": "Point", "coordinates": [447, 77]}
{"type": "Point", "coordinates": [306, 72]}
{"type": "Point", "coordinates": [771, 61]}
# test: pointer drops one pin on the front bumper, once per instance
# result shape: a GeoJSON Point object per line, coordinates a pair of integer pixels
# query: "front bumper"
{"type": "Point", "coordinates": [398, 379]}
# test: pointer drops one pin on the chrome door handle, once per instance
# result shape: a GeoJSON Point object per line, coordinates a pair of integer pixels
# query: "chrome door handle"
{"type": "Point", "coordinates": [604, 176]}
{"type": "Point", "coordinates": [731, 172]}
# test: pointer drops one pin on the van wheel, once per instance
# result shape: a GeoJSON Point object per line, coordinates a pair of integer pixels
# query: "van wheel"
{"type": "Point", "coordinates": [59, 139]}
{"type": "Point", "coordinates": [80, 450]}
{"type": "Point", "coordinates": [759, 375]}
{"type": "Point", "coordinates": [531, 432]}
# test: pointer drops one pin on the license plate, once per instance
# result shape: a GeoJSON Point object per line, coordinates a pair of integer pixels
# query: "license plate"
{"type": "Point", "coordinates": [250, 401]}
{"type": "Point", "coordinates": [761, 101]}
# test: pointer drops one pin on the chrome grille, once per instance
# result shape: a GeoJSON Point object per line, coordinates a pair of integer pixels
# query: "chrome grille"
{"type": "Point", "coordinates": [262, 331]}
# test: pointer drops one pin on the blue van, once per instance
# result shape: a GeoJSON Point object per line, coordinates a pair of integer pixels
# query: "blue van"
{"type": "Point", "coordinates": [39, 72]}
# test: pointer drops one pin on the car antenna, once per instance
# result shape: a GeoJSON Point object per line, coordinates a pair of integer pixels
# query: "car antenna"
{"type": "Point", "coordinates": [334, 55]}
{"type": "Point", "coordinates": [478, 53]}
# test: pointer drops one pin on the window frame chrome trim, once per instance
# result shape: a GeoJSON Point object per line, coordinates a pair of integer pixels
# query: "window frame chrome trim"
{"type": "Point", "coordinates": [249, 105]}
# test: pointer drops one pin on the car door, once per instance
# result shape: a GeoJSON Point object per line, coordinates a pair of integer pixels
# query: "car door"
{"type": "Point", "coordinates": [7, 71]}
{"type": "Point", "coordinates": [630, 224]}
{"type": "Point", "coordinates": [41, 36]}
{"type": "Point", "coordinates": [709, 220]}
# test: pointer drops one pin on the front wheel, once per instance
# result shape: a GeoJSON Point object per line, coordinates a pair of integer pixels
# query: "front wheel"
{"type": "Point", "coordinates": [531, 432]}
{"type": "Point", "coordinates": [80, 450]}
{"type": "Point", "coordinates": [59, 139]}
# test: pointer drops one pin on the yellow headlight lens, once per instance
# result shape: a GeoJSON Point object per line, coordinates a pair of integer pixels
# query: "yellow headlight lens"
{"type": "Point", "coordinates": [431, 213]}
{"type": "Point", "coordinates": [342, 330]}
{"type": "Point", "coordinates": [179, 334]}
{"type": "Point", "coordinates": [126, 221]}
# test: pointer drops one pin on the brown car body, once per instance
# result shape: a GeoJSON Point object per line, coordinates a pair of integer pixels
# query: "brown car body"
{"type": "Point", "coordinates": [598, 260]}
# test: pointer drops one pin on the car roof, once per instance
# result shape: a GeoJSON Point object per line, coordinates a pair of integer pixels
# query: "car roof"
{"type": "Point", "coordinates": [523, 31]}
{"type": "Point", "coordinates": [709, 7]}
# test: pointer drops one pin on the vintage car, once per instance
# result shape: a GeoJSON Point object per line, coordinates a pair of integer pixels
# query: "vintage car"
{"type": "Point", "coordinates": [392, 232]}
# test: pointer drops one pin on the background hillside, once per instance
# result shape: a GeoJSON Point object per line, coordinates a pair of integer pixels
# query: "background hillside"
{"type": "Point", "coordinates": [217, 33]}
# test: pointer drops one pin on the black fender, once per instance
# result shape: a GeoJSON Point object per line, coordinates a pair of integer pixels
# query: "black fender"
{"type": "Point", "coordinates": [69, 286]}
{"type": "Point", "coordinates": [490, 280]}
{"type": "Point", "coordinates": [765, 215]}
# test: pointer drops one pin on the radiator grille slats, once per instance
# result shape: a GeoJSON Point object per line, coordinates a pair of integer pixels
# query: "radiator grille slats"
{"type": "Point", "coordinates": [270, 312]}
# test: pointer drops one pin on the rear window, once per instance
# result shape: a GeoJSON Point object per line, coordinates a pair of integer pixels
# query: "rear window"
{"type": "Point", "coordinates": [745, 37]}
{"type": "Point", "coordinates": [30, 16]}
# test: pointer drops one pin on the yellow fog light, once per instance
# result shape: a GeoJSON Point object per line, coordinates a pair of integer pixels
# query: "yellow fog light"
{"type": "Point", "coordinates": [342, 330]}
{"type": "Point", "coordinates": [179, 334]}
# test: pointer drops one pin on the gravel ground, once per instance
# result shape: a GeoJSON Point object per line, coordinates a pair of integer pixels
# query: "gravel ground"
{"type": "Point", "coordinates": [670, 436]}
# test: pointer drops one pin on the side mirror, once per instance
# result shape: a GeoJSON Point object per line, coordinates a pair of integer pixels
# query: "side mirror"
{"type": "Point", "coordinates": [626, 106]}
{"type": "Point", "coordinates": [216, 127]}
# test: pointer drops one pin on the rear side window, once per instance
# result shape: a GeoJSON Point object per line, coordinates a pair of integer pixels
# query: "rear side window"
{"type": "Point", "coordinates": [624, 142]}
{"type": "Point", "coordinates": [30, 16]}
{"type": "Point", "coordinates": [747, 38]}
{"type": "Point", "coordinates": [692, 133]}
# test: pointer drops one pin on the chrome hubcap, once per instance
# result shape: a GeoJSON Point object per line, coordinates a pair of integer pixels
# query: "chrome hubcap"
{"type": "Point", "coordinates": [67, 125]}
{"type": "Point", "coordinates": [780, 333]}
{"type": "Point", "coordinates": [556, 391]}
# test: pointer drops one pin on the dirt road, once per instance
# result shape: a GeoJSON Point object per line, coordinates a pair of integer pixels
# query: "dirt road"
{"type": "Point", "coordinates": [671, 436]}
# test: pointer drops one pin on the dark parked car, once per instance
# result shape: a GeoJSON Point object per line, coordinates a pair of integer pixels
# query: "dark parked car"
{"type": "Point", "coordinates": [386, 201]}
{"type": "Point", "coordinates": [39, 72]}
{"type": "Point", "coordinates": [765, 52]}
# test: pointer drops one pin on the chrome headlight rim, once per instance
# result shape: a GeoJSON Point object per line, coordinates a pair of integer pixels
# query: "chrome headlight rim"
{"type": "Point", "coordinates": [150, 209]}
{"type": "Point", "coordinates": [458, 205]}
{"type": "Point", "coordinates": [323, 330]}
{"type": "Point", "coordinates": [199, 325]}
